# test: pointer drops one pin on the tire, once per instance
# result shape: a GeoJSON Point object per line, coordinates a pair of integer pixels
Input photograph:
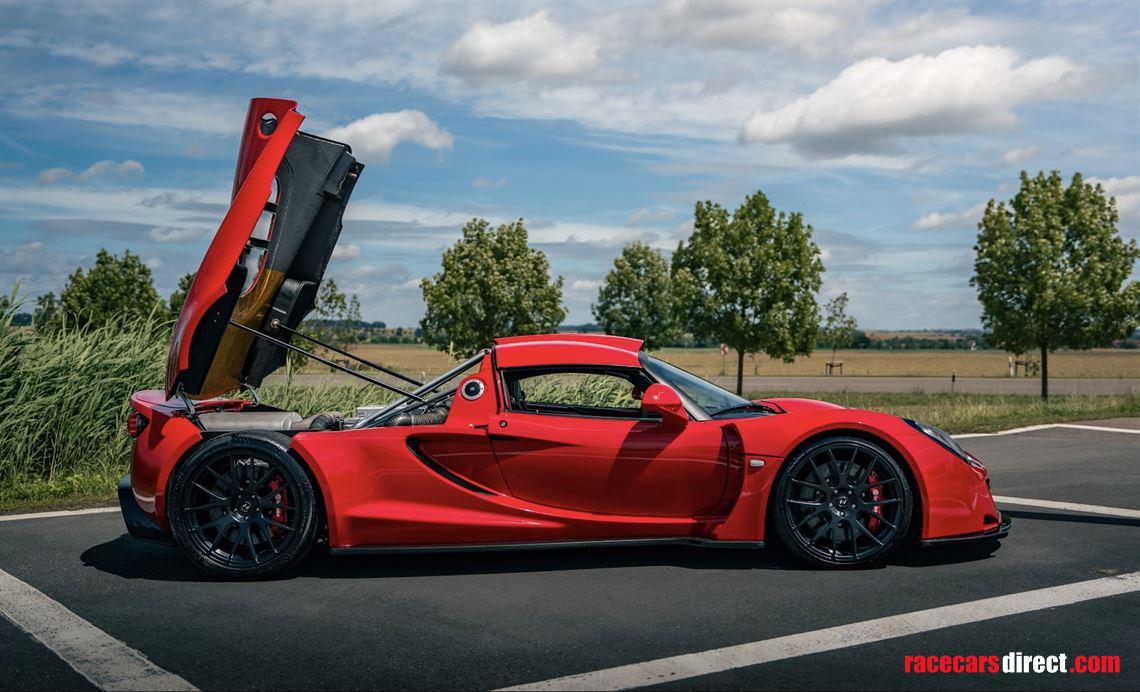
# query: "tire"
{"type": "Point", "coordinates": [842, 502]}
{"type": "Point", "coordinates": [241, 507]}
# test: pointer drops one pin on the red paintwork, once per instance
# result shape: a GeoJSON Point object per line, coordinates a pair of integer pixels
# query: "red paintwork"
{"type": "Point", "coordinates": [491, 475]}
{"type": "Point", "coordinates": [259, 157]}
{"type": "Point", "coordinates": [546, 478]}
{"type": "Point", "coordinates": [665, 401]}
{"type": "Point", "coordinates": [580, 349]}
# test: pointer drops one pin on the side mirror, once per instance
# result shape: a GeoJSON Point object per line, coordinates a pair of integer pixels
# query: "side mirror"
{"type": "Point", "coordinates": [664, 400]}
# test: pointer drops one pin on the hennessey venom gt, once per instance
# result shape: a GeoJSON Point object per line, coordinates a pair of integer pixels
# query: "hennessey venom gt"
{"type": "Point", "coordinates": [506, 450]}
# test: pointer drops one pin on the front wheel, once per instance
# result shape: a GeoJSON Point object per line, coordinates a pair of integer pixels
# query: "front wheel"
{"type": "Point", "coordinates": [842, 501]}
{"type": "Point", "coordinates": [241, 507]}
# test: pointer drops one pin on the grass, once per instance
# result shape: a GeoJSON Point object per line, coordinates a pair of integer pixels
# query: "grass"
{"type": "Point", "coordinates": [707, 362]}
{"type": "Point", "coordinates": [64, 403]}
{"type": "Point", "coordinates": [969, 413]}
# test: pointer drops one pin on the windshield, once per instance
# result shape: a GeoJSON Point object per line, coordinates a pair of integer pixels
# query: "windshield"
{"type": "Point", "coordinates": [700, 391]}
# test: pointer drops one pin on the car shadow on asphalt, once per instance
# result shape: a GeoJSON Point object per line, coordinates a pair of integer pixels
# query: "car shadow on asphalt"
{"type": "Point", "coordinates": [130, 558]}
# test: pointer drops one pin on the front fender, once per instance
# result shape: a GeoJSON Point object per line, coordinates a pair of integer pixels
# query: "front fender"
{"type": "Point", "coordinates": [954, 497]}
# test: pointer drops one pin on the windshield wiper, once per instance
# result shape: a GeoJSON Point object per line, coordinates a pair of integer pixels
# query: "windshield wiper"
{"type": "Point", "coordinates": [742, 407]}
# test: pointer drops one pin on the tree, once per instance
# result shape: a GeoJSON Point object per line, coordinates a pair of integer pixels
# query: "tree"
{"type": "Point", "coordinates": [335, 320]}
{"type": "Point", "coordinates": [47, 309]}
{"type": "Point", "coordinates": [492, 284]}
{"type": "Point", "coordinates": [636, 299]}
{"type": "Point", "coordinates": [178, 298]}
{"type": "Point", "coordinates": [117, 290]}
{"type": "Point", "coordinates": [747, 280]}
{"type": "Point", "coordinates": [1051, 269]}
{"type": "Point", "coordinates": [839, 328]}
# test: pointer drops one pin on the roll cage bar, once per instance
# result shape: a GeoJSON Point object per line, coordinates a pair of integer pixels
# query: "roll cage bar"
{"type": "Point", "coordinates": [419, 397]}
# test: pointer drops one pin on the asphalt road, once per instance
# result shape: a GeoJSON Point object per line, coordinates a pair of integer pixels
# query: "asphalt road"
{"type": "Point", "coordinates": [931, 385]}
{"type": "Point", "coordinates": [838, 383]}
{"type": "Point", "coordinates": [492, 620]}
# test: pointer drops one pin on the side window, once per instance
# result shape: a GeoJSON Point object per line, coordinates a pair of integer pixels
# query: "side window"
{"type": "Point", "coordinates": [610, 394]}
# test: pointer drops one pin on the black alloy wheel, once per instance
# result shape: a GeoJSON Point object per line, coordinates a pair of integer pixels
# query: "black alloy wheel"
{"type": "Point", "coordinates": [241, 507]}
{"type": "Point", "coordinates": [843, 501]}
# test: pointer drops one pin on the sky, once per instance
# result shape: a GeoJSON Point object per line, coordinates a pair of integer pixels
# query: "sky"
{"type": "Point", "coordinates": [888, 125]}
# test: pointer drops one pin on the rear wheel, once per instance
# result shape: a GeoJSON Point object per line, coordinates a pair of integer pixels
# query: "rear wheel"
{"type": "Point", "coordinates": [842, 501]}
{"type": "Point", "coordinates": [241, 507]}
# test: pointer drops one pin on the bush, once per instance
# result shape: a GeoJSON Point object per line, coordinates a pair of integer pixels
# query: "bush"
{"type": "Point", "coordinates": [65, 397]}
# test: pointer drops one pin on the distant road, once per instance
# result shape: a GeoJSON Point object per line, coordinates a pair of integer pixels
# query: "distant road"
{"type": "Point", "coordinates": [839, 383]}
{"type": "Point", "coordinates": [930, 385]}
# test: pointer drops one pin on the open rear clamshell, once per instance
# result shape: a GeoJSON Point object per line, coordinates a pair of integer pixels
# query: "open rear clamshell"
{"type": "Point", "coordinates": [266, 261]}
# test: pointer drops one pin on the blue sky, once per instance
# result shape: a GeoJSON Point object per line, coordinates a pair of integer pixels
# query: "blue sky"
{"type": "Point", "coordinates": [888, 125]}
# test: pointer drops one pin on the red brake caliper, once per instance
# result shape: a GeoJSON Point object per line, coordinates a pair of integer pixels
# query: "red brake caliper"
{"type": "Point", "coordinates": [876, 493]}
{"type": "Point", "coordinates": [280, 497]}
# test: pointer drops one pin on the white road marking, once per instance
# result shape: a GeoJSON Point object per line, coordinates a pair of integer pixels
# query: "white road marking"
{"type": "Point", "coordinates": [61, 513]}
{"type": "Point", "coordinates": [1070, 506]}
{"type": "Point", "coordinates": [869, 631]}
{"type": "Point", "coordinates": [107, 662]}
{"type": "Point", "coordinates": [1047, 426]}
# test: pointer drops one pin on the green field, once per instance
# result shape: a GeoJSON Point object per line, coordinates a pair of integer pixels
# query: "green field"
{"type": "Point", "coordinates": [64, 403]}
{"type": "Point", "coordinates": [707, 362]}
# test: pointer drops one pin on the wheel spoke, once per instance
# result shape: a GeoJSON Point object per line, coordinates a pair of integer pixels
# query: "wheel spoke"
{"type": "Point", "coordinates": [832, 465]}
{"type": "Point", "coordinates": [209, 492]}
{"type": "Point", "coordinates": [867, 469]}
{"type": "Point", "coordinates": [249, 542]}
{"type": "Point", "coordinates": [219, 522]}
{"type": "Point", "coordinates": [261, 481]}
{"type": "Point", "coordinates": [221, 534]}
{"type": "Point", "coordinates": [208, 505]}
{"type": "Point", "coordinates": [815, 470]}
{"type": "Point", "coordinates": [278, 524]}
{"type": "Point", "coordinates": [867, 531]}
{"type": "Point", "coordinates": [808, 516]}
{"type": "Point", "coordinates": [854, 542]}
{"type": "Point", "coordinates": [804, 503]}
{"type": "Point", "coordinates": [879, 517]}
{"type": "Point", "coordinates": [810, 485]}
{"type": "Point", "coordinates": [819, 534]}
{"type": "Point", "coordinates": [876, 484]}
{"type": "Point", "coordinates": [268, 536]}
{"type": "Point", "coordinates": [892, 501]}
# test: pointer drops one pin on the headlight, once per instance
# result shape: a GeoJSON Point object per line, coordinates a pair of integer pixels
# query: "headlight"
{"type": "Point", "coordinates": [943, 438]}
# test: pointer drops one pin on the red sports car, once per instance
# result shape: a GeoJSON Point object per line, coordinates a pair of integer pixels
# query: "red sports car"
{"type": "Point", "coordinates": [545, 441]}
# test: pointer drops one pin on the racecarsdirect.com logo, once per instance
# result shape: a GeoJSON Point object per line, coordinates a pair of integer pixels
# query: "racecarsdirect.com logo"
{"type": "Point", "coordinates": [1013, 662]}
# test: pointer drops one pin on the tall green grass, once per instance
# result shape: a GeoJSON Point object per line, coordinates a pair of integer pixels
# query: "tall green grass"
{"type": "Point", "coordinates": [65, 397]}
{"type": "Point", "coordinates": [968, 413]}
{"type": "Point", "coordinates": [64, 400]}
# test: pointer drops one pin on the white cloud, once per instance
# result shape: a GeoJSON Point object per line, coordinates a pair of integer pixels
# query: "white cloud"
{"type": "Point", "coordinates": [33, 246]}
{"type": "Point", "coordinates": [749, 25]}
{"type": "Point", "coordinates": [178, 234]}
{"type": "Point", "coordinates": [874, 101]}
{"type": "Point", "coordinates": [377, 134]}
{"type": "Point", "coordinates": [585, 285]}
{"type": "Point", "coordinates": [95, 170]}
{"type": "Point", "coordinates": [54, 175]}
{"type": "Point", "coordinates": [533, 48]}
{"type": "Point", "coordinates": [648, 216]}
{"type": "Point", "coordinates": [485, 182]}
{"type": "Point", "coordinates": [933, 31]}
{"type": "Point", "coordinates": [99, 54]}
{"type": "Point", "coordinates": [964, 218]}
{"type": "Point", "coordinates": [346, 251]}
{"type": "Point", "coordinates": [181, 111]}
{"type": "Point", "coordinates": [1020, 155]}
{"type": "Point", "coordinates": [1126, 190]}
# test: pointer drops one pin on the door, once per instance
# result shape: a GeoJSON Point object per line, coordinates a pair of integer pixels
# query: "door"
{"type": "Point", "coordinates": [577, 439]}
